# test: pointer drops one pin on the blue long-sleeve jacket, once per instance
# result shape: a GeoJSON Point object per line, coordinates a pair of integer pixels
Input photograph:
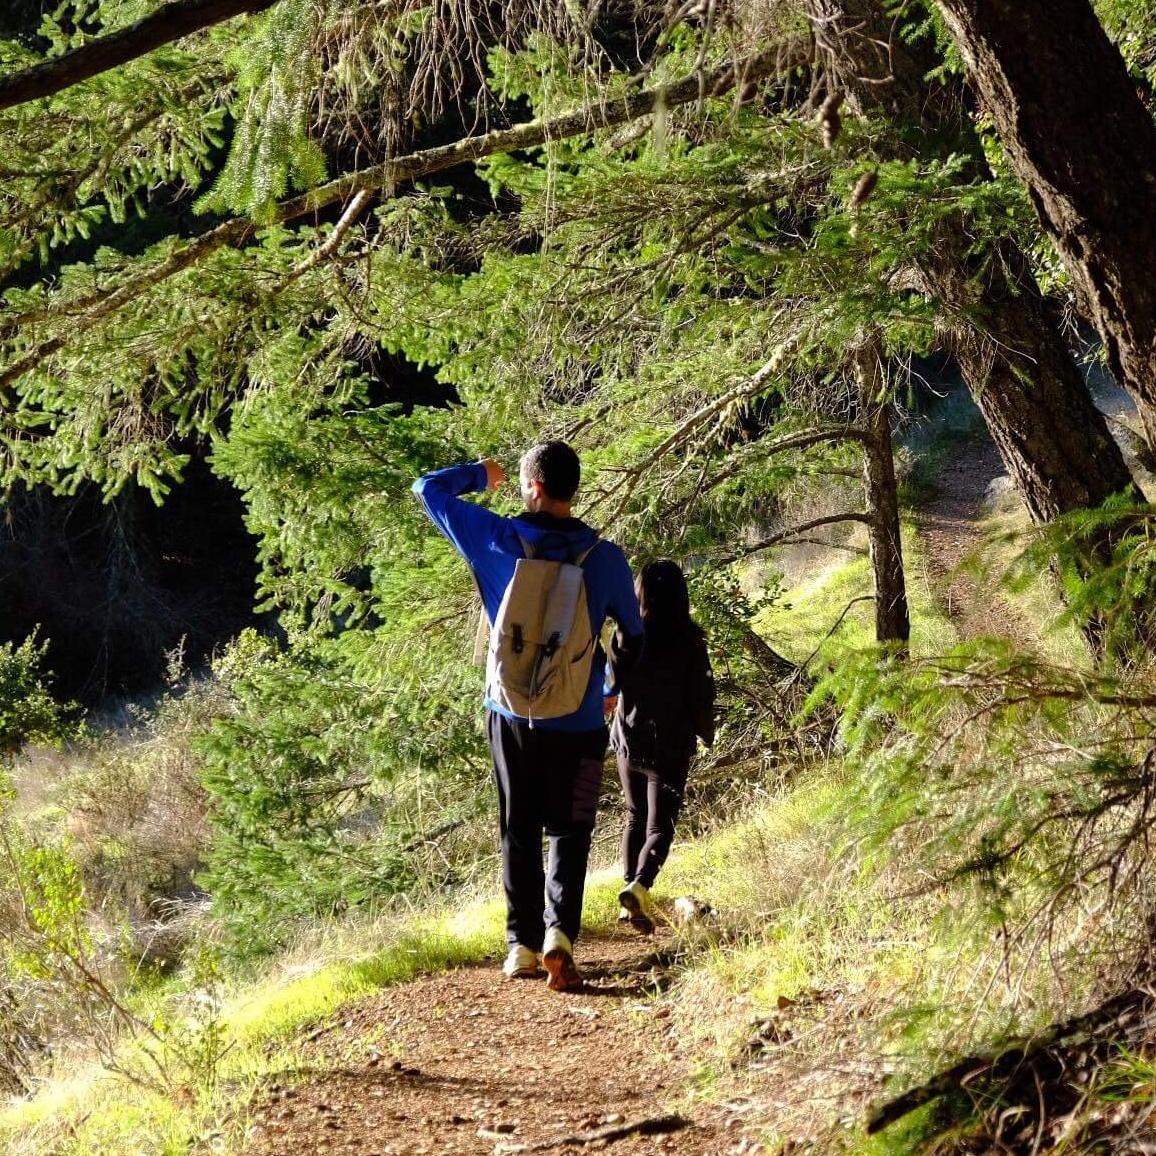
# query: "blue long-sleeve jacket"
{"type": "Point", "coordinates": [489, 543]}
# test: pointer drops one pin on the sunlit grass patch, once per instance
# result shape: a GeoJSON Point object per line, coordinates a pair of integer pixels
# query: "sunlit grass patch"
{"type": "Point", "coordinates": [98, 1115]}
{"type": "Point", "coordinates": [829, 944]}
{"type": "Point", "coordinates": [832, 612]}
{"type": "Point", "coordinates": [1035, 598]}
{"type": "Point", "coordinates": [418, 946]}
{"type": "Point", "coordinates": [100, 1112]}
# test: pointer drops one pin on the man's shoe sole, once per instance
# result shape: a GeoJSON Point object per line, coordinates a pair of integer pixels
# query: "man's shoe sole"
{"type": "Point", "coordinates": [639, 920]}
{"type": "Point", "coordinates": [562, 974]}
{"type": "Point", "coordinates": [523, 973]}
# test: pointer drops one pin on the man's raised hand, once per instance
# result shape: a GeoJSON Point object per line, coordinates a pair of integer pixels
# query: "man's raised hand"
{"type": "Point", "coordinates": [495, 475]}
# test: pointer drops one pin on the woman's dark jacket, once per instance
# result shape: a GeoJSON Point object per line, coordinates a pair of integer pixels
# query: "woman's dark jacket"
{"type": "Point", "coordinates": [666, 699]}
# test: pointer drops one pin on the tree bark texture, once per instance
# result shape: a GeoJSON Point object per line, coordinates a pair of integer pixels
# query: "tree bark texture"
{"type": "Point", "coordinates": [1054, 443]}
{"type": "Point", "coordinates": [892, 620]}
{"type": "Point", "coordinates": [1082, 141]}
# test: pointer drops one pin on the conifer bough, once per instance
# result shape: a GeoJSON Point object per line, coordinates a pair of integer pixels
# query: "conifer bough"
{"type": "Point", "coordinates": [87, 312]}
{"type": "Point", "coordinates": [169, 23]}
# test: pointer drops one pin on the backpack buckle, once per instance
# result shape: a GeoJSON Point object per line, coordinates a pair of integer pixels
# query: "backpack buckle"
{"type": "Point", "coordinates": [519, 638]}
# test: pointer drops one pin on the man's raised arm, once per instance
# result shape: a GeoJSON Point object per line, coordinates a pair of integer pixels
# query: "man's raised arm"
{"type": "Point", "coordinates": [469, 527]}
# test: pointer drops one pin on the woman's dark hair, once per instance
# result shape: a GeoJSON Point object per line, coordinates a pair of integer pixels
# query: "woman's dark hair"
{"type": "Point", "coordinates": [664, 599]}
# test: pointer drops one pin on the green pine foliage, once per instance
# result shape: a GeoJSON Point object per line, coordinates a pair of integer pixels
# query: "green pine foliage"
{"type": "Point", "coordinates": [337, 762]}
{"type": "Point", "coordinates": [29, 713]}
{"type": "Point", "coordinates": [677, 297]}
{"type": "Point", "coordinates": [1031, 780]}
{"type": "Point", "coordinates": [275, 82]}
{"type": "Point", "coordinates": [97, 155]}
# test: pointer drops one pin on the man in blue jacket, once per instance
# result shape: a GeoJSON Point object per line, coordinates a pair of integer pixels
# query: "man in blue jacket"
{"type": "Point", "coordinates": [548, 774]}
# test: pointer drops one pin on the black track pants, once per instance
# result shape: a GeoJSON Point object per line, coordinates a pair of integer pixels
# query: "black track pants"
{"type": "Point", "coordinates": [548, 782]}
{"type": "Point", "coordinates": [653, 802]}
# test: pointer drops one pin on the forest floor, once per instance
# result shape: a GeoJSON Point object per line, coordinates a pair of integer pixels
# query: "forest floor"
{"type": "Point", "coordinates": [468, 1062]}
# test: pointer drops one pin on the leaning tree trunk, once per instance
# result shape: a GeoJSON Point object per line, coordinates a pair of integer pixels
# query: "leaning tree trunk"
{"type": "Point", "coordinates": [1053, 441]}
{"type": "Point", "coordinates": [1082, 141]}
{"type": "Point", "coordinates": [892, 620]}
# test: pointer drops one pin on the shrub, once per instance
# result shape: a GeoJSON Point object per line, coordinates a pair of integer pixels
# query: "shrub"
{"type": "Point", "coordinates": [28, 712]}
{"type": "Point", "coordinates": [342, 761]}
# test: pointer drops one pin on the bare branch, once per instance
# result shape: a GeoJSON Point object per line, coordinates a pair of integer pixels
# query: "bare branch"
{"type": "Point", "coordinates": [792, 533]}
{"type": "Point", "coordinates": [800, 441]}
{"type": "Point", "coordinates": [650, 1126]}
{"type": "Point", "coordinates": [835, 626]}
{"type": "Point", "coordinates": [749, 387]}
{"type": "Point", "coordinates": [352, 212]}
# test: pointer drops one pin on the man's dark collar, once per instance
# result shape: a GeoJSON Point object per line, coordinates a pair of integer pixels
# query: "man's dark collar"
{"type": "Point", "coordinates": [544, 521]}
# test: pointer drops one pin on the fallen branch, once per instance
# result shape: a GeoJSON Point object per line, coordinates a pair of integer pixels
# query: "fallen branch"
{"type": "Point", "coordinates": [652, 1126]}
{"type": "Point", "coordinates": [766, 655]}
{"type": "Point", "coordinates": [424, 838]}
{"type": "Point", "coordinates": [1115, 1013]}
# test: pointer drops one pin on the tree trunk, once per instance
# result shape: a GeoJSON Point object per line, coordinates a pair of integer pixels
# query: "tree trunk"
{"type": "Point", "coordinates": [892, 620]}
{"type": "Point", "coordinates": [1082, 141]}
{"type": "Point", "coordinates": [1054, 442]}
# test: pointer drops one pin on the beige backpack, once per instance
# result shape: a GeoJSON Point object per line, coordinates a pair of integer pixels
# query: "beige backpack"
{"type": "Point", "coordinates": [541, 645]}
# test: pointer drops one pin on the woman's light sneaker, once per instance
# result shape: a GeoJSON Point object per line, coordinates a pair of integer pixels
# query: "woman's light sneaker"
{"type": "Point", "coordinates": [521, 963]}
{"type": "Point", "coordinates": [636, 900]}
{"type": "Point", "coordinates": [558, 960]}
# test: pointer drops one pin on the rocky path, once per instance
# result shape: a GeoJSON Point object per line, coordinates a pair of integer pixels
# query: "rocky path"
{"type": "Point", "coordinates": [467, 1062]}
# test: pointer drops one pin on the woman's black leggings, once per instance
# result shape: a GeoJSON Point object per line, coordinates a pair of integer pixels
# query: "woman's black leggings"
{"type": "Point", "coordinates": [653, 801]}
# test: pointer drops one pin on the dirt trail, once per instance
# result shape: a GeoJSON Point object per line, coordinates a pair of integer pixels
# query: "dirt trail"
{"type": "Point", "coordinates": [950, 535]}
{"type": "Point", "coordinates": [467, 1062]}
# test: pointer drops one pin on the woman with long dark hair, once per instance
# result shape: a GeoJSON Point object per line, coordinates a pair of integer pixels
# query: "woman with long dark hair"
{"type": "Point", "coordinates": [666, 703]}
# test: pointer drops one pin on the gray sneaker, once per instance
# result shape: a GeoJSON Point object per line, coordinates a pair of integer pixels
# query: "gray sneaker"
{"type": "Point", "coordinates": [636, 900]}
{"type": "Point", "coordinates": [521, 963]}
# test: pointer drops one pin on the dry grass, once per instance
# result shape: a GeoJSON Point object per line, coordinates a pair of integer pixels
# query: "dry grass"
{"type": "Point", "coordinates": [130, 807]}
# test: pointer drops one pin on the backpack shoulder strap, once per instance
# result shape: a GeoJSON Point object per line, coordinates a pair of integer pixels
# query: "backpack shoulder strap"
{"type": "Point", "coordinates": [579, 558]}
{"type": "Point", "coordinates": [528, 550]}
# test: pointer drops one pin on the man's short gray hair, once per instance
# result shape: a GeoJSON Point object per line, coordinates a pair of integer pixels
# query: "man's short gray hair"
{"type": "Point", "coordinates": [556, 466]}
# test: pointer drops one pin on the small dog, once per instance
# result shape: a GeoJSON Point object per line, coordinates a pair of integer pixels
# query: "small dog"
{"type": "Point", "coordinates": [688, 909]}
